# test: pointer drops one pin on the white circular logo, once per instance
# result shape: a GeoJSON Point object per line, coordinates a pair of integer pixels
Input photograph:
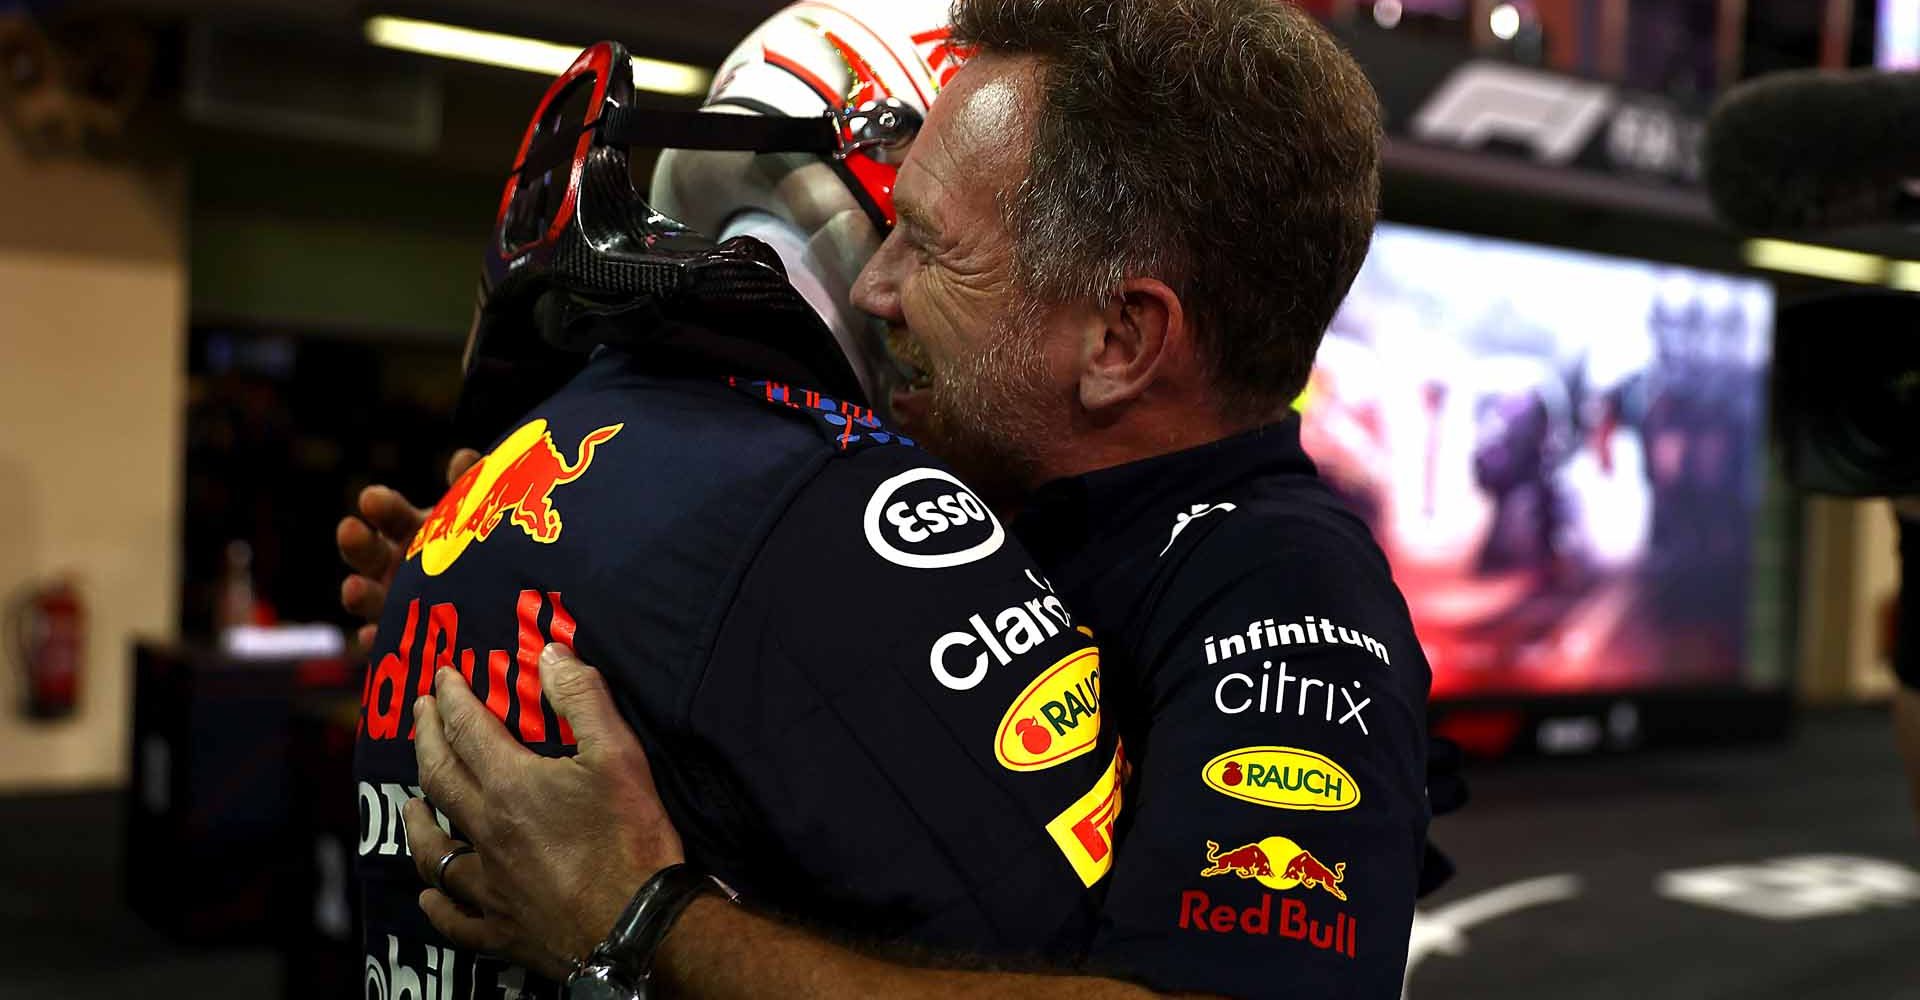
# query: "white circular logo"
{"type": "Point", "coordinates": [926, 519]}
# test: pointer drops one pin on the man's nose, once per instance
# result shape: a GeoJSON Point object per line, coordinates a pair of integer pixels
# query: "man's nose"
{"type": "Point", "coordinates": [876, 291]}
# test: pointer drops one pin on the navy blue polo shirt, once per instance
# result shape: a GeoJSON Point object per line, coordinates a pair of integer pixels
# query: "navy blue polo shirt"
{"type": "Point", "coordinates": [1269, 688]}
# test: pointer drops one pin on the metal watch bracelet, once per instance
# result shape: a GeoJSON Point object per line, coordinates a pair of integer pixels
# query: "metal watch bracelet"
{"type": "Point", "coordinates": [621, 964]}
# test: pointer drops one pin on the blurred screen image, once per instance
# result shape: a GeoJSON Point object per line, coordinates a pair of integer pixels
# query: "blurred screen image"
{"type": "Point", "coordinates": [1560, 454]}
{"type": "Point", "coordinates": [1897, 35]}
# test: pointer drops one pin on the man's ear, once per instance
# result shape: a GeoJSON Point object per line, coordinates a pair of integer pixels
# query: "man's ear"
{"type": "Point", "coordinates": [1140, 336]}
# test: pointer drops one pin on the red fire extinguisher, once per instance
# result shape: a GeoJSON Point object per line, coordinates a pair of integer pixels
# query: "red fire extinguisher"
{"type": "Point", "coordinates": [47, 629]}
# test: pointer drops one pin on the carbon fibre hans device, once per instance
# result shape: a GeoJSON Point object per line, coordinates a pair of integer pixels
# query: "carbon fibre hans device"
{"type": "Point", "coordinates": [578, 259]}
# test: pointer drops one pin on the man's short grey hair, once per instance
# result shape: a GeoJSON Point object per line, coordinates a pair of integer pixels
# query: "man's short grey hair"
{"type": "Point", "coordinates": [1230, 148]}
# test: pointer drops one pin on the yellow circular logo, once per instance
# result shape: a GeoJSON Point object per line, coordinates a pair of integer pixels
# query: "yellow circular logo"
{"type": "Point", "coordinates": [1282, 778]}
{"type": "Point", "coordinates": [1056, 719]}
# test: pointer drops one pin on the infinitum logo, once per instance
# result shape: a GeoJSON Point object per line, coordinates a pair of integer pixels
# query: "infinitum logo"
{"type": "Point", "coordinates": [1308, 631]}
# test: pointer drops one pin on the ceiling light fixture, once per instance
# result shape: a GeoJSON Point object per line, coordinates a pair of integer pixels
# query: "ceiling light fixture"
{"type": "Point", "coordinates": [1504, 22]}
{"type": "Point", "coordinates": [1817, 261]}
{"type": "Point", "coordinates": [528, 54]}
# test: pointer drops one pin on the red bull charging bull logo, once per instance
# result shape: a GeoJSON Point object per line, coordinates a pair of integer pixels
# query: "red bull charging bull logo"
{"type": "Point", "coordinates": [515, 483]}
{"type": "Point", "coordinates": [1277, 863]}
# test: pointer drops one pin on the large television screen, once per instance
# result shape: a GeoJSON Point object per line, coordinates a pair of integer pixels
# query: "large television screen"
{"type": "Point", "coordinates": [1897, 35]}
{"type": "Point", "coordinates": [1560, 453]}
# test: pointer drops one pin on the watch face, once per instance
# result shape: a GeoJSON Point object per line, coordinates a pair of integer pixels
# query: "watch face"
{"type": "Point", "coordinates": [598, 982]}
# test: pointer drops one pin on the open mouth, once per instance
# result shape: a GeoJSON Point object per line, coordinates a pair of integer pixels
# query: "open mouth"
{"type": "Point", "coordinates": [910, 362]}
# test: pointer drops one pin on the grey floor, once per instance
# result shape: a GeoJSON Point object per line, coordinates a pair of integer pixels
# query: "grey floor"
{"type": "Point", "coordinates": [1804, 862]}
{"type": "Point", "coordinates": [64, 931]}
{"type": "Point", "coordinates": [1560, 893]}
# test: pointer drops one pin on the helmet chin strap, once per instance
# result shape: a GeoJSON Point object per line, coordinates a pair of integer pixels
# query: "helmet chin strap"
{"type": "Point", "coordinates": [822, 268]}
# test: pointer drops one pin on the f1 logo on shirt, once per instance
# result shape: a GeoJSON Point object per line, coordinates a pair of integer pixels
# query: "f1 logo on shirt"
{"type": "Point", "coordinates": [927, 519]}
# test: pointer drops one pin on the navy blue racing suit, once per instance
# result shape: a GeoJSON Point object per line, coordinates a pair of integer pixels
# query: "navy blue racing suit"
{"type": "Point", "coordinates": [864, 704]}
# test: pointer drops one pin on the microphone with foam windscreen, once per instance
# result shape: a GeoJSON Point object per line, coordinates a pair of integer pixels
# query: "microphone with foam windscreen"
{"type": "Point", "coordinates": [1820, 153]}
{"type": "Point", "coordinates": [1809, 150]}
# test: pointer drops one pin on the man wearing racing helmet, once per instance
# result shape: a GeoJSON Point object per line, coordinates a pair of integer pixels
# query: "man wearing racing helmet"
{"type": "Point", "coordinates": [1070, 287]}
{"type": "Point", "coordinates": [769, 557]}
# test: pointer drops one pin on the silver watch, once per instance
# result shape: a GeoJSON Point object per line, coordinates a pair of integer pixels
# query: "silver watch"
{"type": "Point", "coordinates": [600, 981]}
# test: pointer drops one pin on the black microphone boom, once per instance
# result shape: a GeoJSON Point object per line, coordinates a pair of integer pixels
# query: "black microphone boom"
{"type": "Point", "coordinates": [1808, 150]}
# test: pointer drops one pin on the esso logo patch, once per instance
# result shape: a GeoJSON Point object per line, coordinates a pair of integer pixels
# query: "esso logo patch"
{"type": "Point", "coordinates": [926, 519]}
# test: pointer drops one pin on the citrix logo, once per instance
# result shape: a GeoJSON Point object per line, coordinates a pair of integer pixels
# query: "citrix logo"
{"type": "Point", "coordinates": [1238, 692]}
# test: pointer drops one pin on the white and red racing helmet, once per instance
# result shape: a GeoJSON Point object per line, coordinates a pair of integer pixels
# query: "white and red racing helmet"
{"type": "Point", "coordinates": [877, 65]}
{"type": "Point", "coordinates": [794, 155]}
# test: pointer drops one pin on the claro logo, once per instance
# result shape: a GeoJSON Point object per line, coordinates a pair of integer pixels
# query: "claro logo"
{"type": "Point", "coordinates": [925, 519]}
{"type": "Point", "coordinates": [961, 659]}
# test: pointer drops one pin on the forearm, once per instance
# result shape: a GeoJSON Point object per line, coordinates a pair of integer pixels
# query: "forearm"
{"type": "Point", "coordinates": [717, 951]}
